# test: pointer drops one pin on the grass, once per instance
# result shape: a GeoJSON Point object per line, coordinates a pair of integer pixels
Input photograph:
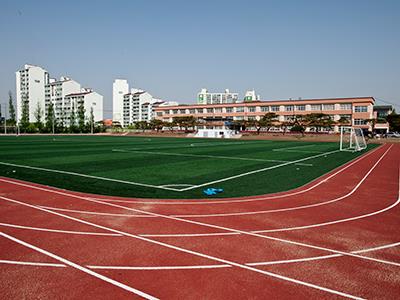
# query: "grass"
{"type": "Point", "coordinates": [175, 163]}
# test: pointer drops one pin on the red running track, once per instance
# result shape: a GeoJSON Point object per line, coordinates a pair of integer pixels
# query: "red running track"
{"type": "Point", "coordinates": [335, 237]}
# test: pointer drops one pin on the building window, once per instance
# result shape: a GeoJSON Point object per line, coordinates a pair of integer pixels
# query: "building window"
{"type": "Point", "coordinates": [175, 111]}
{"type": "Point", "coordinates": [264, 108]}
{"type": "Point", "coordinates": [218, 110]}
{"type": "Point", "coordinates": [300, 107]}
{"type": "Point", "coordinates": [316, 107]}
{"type": "Point", "coordinates": [210, 110]}
{"type": "Point", "coordinates": [182, 111]}
{"type": "Point", "coordinates": [191, 111]}
{"type": "Point", "coordinates": [360, 122]}
{"type": "Point", "coordinates": [199, 110]}
{"type": "Point", "coordinates": [240, 109]}
{"type": "Point", "coordinates": [159, 113]}
{"type": "Point", "coordinates": [229, 109]}
{"type": "Point", "coordinates": [345, 106]}
{"type": "Point", "coordinates": [275, 108]}
{"type": "Point", "coordinates": [329, 107]}
{"type": "Point", "coordinates": [360, 109]}
{"type": "Point", "coordinates": [252, 109]}
{"type": "Point", "coordinates": [289, 108]}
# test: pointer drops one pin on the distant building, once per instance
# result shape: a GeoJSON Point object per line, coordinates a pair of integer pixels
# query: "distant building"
{"type": "Point", "coordinates": [138, 106]}
{"type": "Point", "coordinates": [30, 88]}
{"type": "Point", "coordinates": [120, 88]}
{"type": "Point", "coordinates": [204, 97]}
{"type": "Point", "coordinates": [356, 112]}
{"type": "Point", "coordinates": [251, 96]}
{"type": "Point", "coordinates": [67, 95]}
{"type": "Point", "coordinates": [380, 114]}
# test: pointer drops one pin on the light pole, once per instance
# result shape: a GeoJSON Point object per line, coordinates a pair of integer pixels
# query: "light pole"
{"type": "Point", "coordinates": [5, 118]}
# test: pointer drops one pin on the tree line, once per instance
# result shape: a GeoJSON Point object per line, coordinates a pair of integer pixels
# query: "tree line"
{"type": "Point", "coordinates": [47, 122]}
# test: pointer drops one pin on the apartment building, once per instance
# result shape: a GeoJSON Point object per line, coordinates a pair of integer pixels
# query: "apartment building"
{"type": "Point", "coordinates": [137, 106]}
{"type": "Point", "coordinates": [67, 95]}
{"type": "Point", "coordinates": [120, 88]}
{"type": "Point", "coordinates": [357, 111]}
{"type": "Point", "coordinates": [30, 89]}
{"type": "Point", "coordinates": [205, 97]}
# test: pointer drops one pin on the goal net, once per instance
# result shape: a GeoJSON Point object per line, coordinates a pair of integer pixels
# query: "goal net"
{"type": "Point", "coordinates": [352, 139]}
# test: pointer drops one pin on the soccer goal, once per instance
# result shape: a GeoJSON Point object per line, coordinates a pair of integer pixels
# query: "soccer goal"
{"type": "Point", "coordinates": [352, 139]}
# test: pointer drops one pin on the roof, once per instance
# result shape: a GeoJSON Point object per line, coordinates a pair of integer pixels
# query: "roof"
{"type": "Point", "coordinates": [77, 94]}
{"type": "Point", "coordinates": [383, 107]}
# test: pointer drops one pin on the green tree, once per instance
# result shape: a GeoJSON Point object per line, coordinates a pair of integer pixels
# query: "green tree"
{"type": "Point", "coordinates": [72, 120]}
{"type": "Point", "coordinates": [91, 120]}
{"type": "Point", "coordinates": [11, 110]}
{"type": "Point", "coordinates": [394, 121]}
{"type": "Point", "coordinates": [38, 117]}
{"type": "Point", "coordinates": [156, 124]}
{"type": "Point", "coordinates": [51, 123]}
{"type": "Point", "coordinates": [186, 122]}
{"type": "Point", "coordinates": [269, 120]}
{"type": "Point", "coordinates": [319, 120]}
{"type": "Point", "coordinates": [81, 117]}
{"type": "Point", "coordinates": [24, 121]}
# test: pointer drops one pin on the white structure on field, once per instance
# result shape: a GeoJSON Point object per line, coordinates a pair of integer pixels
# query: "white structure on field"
{"type": "Point", "coordinates": [67, 96]}
{"type": "Point", "coordinates": [120, 88]}
{"type": "Point", "coordinates": [30, 88]}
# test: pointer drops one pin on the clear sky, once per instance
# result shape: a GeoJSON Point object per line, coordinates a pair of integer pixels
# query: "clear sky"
{"type": "Point", "coordinates": [282, 49]}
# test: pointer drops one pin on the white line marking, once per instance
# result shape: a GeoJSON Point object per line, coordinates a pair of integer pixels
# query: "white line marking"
{"type": "Point", "coordinates": [290, 208]}
{"type": "Point", "coordinates": [297, 151]}
{"type": "Point", "coordinates": [261, 198]}
{"type": "Point", "coordinates": [224, 261]}
{"type": "Point", "coordinates": [95, 212]}
{"type": "Point", "coordinates": [13, 262]}
{"type": "Point", "coordinates": [258, 171]}
{"type": "Point", "coordinates": [57, 230]}
{"type": "Point", "coordinates": [159, 267]}
{"type": "Point", "coordinates": [29, 263]}
{"type": "Point", "coordinates": [206, 156]}
{"type": "Point", "coordinates": [79, 267]}
{"type": "Point", "coordinates": [88, 176]}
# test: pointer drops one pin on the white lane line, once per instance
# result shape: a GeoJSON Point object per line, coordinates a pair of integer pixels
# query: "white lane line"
{"type": "Point", "coordinates": [144, 268]}
{"type": "Point", "coordinates": [206, 156]}
{"type": "Point", "coordinates": [57, 230]}
{"type": "Point", "coordinates": [88, 176]}
{"type": "Point", "coordinates": [337, 170]}
{"type": "Point", "coordinates": [291, 208]}
{"type": "Point", "coordinates": [156, 268]}
{"type": "Point", "coordinates": [199, 254]}
{"type": "Point", "coordinates": [288, 261]}
{"type": "Point", "coordinates": [31, 263]}
{"type": "Point", "coordinates": [79, 267]}
{"type": "Point", "coordinates": [95, 212]}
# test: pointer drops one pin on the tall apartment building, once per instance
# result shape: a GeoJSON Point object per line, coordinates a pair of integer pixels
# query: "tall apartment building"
{"type": "Point", "coordinates": [138, 106]}
{"type": "Point", "coordinates": [30, 88]}
{"type": "Point", "coordinates": [67, 95]}
{"type": "Point", "coordinates": [204, 97]}
{"type": "Point", "coordinates": [120, 88]}
{"type": "Point", "coordinates": [357, 111]}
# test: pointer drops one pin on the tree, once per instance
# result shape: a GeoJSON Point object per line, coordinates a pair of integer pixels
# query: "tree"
{"type": "Point", "coordinates": [269, 120]}
{"type": "Point", "coordinates": [319, 120]}
{"type": "Point", "coordinates": [24, 121]}
{"type": "Point", "coordinates": [394, 121]}
{"type": "Point", "coordinates": [186, 122]}
{"type": "Point", "coordinates": [72, 120]}
{"type": "Point", "coordinates": [11, 110]}
{"type": "Point", "coordinates": [91, 120]}
{"type": "Point", "coordinates": [81, 117]}
{"type": "Point", "coordinates": [156, 124]}
{"type": "Point", "coordinates": [143, 125]}
{"type": "Point", "coordinates": [38, 117]}
{"type": "Point", "coordinates": [50, 118]}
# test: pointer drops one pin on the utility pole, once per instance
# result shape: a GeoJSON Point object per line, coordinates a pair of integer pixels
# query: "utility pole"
{"type": "Point", "coordinates": [5, 118]}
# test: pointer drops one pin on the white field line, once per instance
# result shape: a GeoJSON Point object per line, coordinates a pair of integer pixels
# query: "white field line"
{"type": "Point", "coordinates": [178, 184]}
{"type": "Point", "coordinates": [339, 170]}
{"type": "Point", "coordinates": [206, 156]}
{"type": "Point", "coordinates": [295, 147]}
{"type": "Point", "coordinates": [79, 267]}
{"type": "Point", "coordinates": [291, 208]}
{"type": "Point", "coordinates": [259, 170]}
{"type": "Point", "coordinates": [297, 151]}
{"type": "Point", "coordinates": [264, 263]}
{"type": "Point", "coordinates": [29, 263]}
{"type": "Point", "coordinates": [94, 212]}
{"type": "Point", "coordinates": [199, 254]}
{"type": "Point", "coordinates": [88, 176]}
{"type": "Point", "coordinates": [57, 231]}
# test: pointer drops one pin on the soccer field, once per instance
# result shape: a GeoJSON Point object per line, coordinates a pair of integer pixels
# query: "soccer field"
{"type": "Point", "coordinates": [154, 167]}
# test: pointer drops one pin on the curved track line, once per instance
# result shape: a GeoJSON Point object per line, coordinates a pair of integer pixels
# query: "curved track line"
{"type": "Point", "coordinates": [260, 198]}
{"type": "Point", "coordinates": [57, 230]}
{"type": "Point", "coordinates": [288, 261]}
{"type": "Point", "coordinates": [94, 212]}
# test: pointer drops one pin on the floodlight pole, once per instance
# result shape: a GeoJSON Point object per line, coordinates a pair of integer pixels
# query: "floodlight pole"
{"type": "Point", "coordinates": [5, 118]}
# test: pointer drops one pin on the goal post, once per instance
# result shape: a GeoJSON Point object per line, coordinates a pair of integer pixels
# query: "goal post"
{"type": "Point", "coordinates": [352, 139]}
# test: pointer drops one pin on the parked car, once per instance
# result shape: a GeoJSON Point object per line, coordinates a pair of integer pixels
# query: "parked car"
{"type": "Point", "coordinates": [392, 135]}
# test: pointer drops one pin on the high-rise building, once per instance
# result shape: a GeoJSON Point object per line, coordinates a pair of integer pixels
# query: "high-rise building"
{"type": "Point", "coordinates": [138, 106]}
{"type": "Point", "coordinates": [30, 90]}
{"type": "Point", "coordinates": [204, 97]}
{"type": "Point", "coordinates": [120, 88]}
{"type": "Point", "coordinates": [251, 96]}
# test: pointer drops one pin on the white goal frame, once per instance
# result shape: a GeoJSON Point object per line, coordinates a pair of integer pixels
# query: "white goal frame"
{"type": "Point", "coordinates": [352, 139]}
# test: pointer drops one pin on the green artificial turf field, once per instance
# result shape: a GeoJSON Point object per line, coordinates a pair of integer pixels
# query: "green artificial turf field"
{"type": "Point", "coordinates": [154, 167]}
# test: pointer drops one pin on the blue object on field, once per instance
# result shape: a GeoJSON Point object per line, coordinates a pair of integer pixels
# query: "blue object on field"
{"type": "Point", "coordinates": [212, 191]}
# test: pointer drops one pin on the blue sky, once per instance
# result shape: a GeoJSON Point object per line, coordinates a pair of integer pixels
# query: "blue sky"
{"type": "Point", "coordinates": [282, 49]}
